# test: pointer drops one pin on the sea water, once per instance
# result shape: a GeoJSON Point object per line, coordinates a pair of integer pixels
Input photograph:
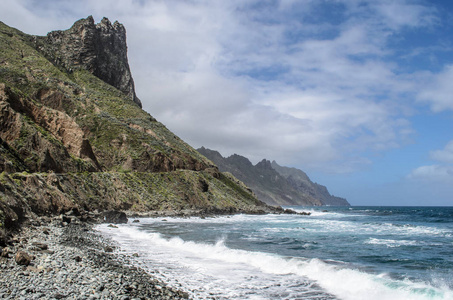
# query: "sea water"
{"type": "Point", "coordinates": [335, 253]}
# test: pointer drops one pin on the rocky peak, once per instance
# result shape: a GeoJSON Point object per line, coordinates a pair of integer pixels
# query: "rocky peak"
{"type": "Point", "coordinates": [264, 165]}
{"type": "Point", "coordinates": [239, 160]}
{"type": "Point", "coordinates": [99, 48]}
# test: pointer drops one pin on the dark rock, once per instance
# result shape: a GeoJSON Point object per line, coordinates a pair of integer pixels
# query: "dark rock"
{"type": "Point", "coordinates": [112, 226]}
{"type": "Point", "coordinates": [22, 258]}
{"type": "Point", "coordinates": [136, 221]}
{"type": "Point", "coordinates": [5, 252]}
{"type": "Point", "coordinates": [114, 217]}
{"type": "Point", "coordinates": [304, 213]}
{"type": "Point", "coordinates": [65, 219]}
{"type": "Point", "coordinates": [73, 212]}
{"type": "Point", "coordinates": [108, 249]}
{"type": "Point", "coordinates": [99, 48]}
{"type": "Point", "coordinates": [40, 246]}
{"type": "Point", "coordinates": [77, 258]}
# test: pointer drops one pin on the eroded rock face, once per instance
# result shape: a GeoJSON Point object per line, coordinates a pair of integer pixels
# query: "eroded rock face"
{"type": "Point", "coordinates": [99, 48]}
{"type": "Point", "coordinates": [29, 142]}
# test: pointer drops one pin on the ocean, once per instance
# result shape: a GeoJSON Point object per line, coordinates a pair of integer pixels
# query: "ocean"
{"type": "Point", "coordinates": [335, 253]}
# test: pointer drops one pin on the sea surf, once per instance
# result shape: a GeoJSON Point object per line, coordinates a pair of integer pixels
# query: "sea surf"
{"type": "Point", "coordinates": [334, 253]}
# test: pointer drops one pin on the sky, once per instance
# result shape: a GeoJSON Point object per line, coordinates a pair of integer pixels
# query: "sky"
{"type": "Point", "coordinates": [358, 94]}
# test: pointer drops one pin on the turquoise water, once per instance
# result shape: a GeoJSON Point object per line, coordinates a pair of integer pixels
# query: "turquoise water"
{"type": "Point", "coordinates": [341, 253]}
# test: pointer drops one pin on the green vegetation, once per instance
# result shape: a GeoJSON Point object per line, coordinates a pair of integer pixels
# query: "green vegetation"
{"type": "Point", "coordinates": [142, 165]}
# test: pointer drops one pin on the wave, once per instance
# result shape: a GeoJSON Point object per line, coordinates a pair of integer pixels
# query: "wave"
{"type": "Point", "coordinates": [391, 243]}
{"type": "Point", "coordinates": [229, 273]}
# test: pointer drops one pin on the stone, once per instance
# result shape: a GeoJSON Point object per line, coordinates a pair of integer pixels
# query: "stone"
{"type": "Point", "coordinates": [23, 258]}
{"type": "Point", "coordinates": [114, 217]}
{"type": "Point", "coordinates": [40, 246]}
{"type": "Point", "coordinates": [5, 252]}
{"type": "Point", "coordinates": [65, 219]}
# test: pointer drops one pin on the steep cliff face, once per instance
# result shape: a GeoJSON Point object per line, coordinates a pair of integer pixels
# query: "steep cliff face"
{"type": "Point", "coordinates": [71, 136]}
{"type": "Point", "coordinates": [274, 184]}
{"type": "Point", "coordinates": [99, 48]}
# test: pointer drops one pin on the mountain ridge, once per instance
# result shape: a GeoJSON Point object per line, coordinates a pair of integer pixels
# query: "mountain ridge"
{"type": "Point", "coordinates": [274, 184]}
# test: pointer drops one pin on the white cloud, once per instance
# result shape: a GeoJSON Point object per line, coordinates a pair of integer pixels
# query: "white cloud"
{"type": "Point", "coordinates": [400, 13]}
{"type": "Point", "coordinates": [434, 173]}
{"type": "Point", "coordinates": [445, 155]}
{"type": "Point", "coordinates": [261, 80]}
{"type": "Point", "coordinates": [441, 171]}
{"type": "Point", "coordinates": [438, 90]}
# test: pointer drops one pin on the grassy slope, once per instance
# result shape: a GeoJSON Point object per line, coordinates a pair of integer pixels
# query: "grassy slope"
{"type": "Point", "coordinates": [122, 136]}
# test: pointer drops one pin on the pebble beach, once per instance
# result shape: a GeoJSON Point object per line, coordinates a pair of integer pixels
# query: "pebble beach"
{"type": "Point", "coordinates": [53, 259]}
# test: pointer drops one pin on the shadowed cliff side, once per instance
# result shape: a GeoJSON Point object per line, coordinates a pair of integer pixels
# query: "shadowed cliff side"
{"type": "Point", "coordinates": [99, 48]}
{"type": "Point", "coordinates": [274, 184]}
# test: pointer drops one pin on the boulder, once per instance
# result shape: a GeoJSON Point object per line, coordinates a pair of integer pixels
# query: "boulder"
{"type": "Point", "coordinates": [114, 217]}
{"type": "Point", "coordinates": [23, 258]}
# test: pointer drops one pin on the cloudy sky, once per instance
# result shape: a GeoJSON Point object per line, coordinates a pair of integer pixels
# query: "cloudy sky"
{"type": "Point", "coordinates": [359, 94]}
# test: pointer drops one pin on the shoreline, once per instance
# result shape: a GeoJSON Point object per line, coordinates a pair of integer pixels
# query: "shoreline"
{"type": "Point", "coordinates": [72, 261]}
{"type": "Point", "coordinates": [69, 259]}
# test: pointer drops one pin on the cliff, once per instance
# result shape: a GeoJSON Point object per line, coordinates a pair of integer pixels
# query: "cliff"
{"type": "Point", "coordinates": [73, 134]}
{"type": "Point", "coordinates": [274, 184]}
{"type": "Point", "coordinates": [99, 48]}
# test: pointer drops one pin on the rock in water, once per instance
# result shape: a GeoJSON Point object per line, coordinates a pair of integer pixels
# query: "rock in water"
{"type": "Point", "coordinates": [22, 258]}
{"type": "Point", "coordinates": [114, 217]}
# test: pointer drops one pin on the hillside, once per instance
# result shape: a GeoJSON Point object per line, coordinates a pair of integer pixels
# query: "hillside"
{"type": "Point", "coordinates": [73, 134]}
{"type": "Point", "coordinates": [274, 184]}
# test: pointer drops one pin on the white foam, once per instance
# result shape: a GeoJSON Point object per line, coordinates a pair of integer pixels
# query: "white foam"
{"type": "Point", "coordinates": [215, 269]}
{"type": "Point", "coordinates": [391, 243]}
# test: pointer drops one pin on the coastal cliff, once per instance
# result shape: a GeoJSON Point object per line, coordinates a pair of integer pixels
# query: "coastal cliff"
{"type": "Point", "coordinates": [274, 184]}
{"type": "Point", "coordinates": [73, 134]}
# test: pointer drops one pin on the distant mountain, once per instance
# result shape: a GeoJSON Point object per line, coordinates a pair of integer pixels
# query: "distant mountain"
{"type": "Point", "coordinates": [300, 181]}
{"type": "Point", "coordinates": [274, 184]}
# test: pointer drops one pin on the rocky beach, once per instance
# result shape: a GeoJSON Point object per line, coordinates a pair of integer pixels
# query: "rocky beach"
{"type": "Point", "coordinates": [53, 259]}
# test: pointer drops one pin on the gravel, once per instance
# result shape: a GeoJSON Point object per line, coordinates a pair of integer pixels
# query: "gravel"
{"type": "Point", "coordinates": [71, 261]}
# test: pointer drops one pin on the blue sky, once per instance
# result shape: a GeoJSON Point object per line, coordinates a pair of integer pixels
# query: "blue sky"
{"type": "Point", "coordinates": [356, 93]}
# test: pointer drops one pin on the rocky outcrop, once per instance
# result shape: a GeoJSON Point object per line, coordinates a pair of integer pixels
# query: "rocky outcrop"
{"type": "Point", "coordinates": [274, 184]}
{"type": "Point", "coordinates": [99, 48]}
